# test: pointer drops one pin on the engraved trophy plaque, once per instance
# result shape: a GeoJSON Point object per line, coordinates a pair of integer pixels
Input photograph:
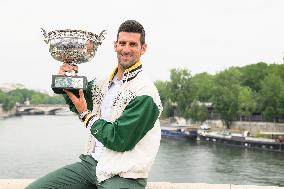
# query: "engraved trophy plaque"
{"type": "Point", "coordinates": [72, 47]}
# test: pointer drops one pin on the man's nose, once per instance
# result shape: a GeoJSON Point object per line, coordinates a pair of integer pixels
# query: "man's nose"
{"type": "Point", "coordinates": [126, 48]}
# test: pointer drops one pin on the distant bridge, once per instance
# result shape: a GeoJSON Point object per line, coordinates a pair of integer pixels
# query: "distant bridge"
{"type": "Point", "coordinates": [48, 109]}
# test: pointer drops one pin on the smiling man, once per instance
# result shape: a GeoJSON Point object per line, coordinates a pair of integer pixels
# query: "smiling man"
{"type": "Point", "coordinates": [122, 113]}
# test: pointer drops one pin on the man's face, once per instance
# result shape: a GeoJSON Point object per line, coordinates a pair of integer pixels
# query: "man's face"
{"type": "Point", "coordinates": [129, 49]}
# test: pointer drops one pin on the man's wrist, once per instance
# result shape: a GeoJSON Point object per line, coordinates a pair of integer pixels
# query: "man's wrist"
{"type": "Point", "coordinates": [88, 118]}
{"type": "Point", "coordinates": [83, 115]}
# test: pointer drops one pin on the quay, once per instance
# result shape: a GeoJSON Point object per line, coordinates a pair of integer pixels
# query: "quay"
{"type": "Point", "coordinates": [21, 183]}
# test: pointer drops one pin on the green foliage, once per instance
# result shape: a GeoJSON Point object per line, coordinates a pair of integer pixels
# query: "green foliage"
{"type": "Point", "coordinates": [277, 69]}
{"type": "Point", "coordinates": [10, 98]}
{"type": "Point", "coordinates": [164, 93]}
{"type": "Point", "coordinates": [203, 84]}
{"type": "Point", "coordinates": [246, 102]}
{"type": "Point", "coordinates": [236, 93]}
{"type": "Point", "coordinates": [7, 101]}
{"type": "Point", "coordinates": [272, 90]}
{"type": "Point", "coordinates": [20, 95]}
{"type": "Point", "coordinates": [269, 113]}
{"type": "Point", "coordinates": [162, 87]}
{"type": "Point", "coordinates": [225, 94]}
{"type": "Point", "coordinates": [253, 74]}
{"type": "Point", "coordinates": [39, 98]}
{"type": "Point", "coordinates": [181, 90]}
{"type": "Point", "coordinates": [168, 110]}
{"type": "Point", "coordinates": [198, 112]}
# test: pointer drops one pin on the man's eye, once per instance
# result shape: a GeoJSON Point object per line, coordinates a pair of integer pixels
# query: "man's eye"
{"type": "Point", "coordinates": [122, 43]}
{"type": "Point", "coordinates": [132, 44]}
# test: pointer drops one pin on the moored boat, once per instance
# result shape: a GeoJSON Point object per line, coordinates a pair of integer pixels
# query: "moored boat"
{"type": "Point", "coordinates": [179, 132]}
{"type": "Point", "coordinates": [241, 140]}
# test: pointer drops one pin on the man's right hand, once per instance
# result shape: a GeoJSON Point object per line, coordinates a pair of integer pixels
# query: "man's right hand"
{"type": "Point", "coordinates": [67, 68]}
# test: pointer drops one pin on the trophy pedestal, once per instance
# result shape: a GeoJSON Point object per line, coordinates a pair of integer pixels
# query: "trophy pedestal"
{"type": "Point", "coordinates": [72, 83]}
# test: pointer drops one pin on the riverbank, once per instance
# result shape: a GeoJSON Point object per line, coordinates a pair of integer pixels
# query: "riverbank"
{"type": "Point", "coordinates": [6, 114]}
{"type": "Point", "coordinates": [21, 183]}
{"type": "Point", "coordinates": [253, 127]}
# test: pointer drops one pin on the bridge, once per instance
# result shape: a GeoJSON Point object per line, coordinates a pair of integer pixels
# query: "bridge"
{"type": "Point", "coordinates": [47, 109]}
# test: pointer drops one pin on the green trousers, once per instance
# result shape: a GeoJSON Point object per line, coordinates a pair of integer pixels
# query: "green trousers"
{"type": "Point", "coordinates": [82, 175]}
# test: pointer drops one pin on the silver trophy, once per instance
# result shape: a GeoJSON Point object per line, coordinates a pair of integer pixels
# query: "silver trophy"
{"type": "Point", "coordinates": [72, 47]}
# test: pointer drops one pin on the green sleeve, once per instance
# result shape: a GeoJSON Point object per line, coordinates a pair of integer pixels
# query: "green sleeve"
{"type": "Point", "coordinates": [88, 97]}
{"type": "Point", "coordinates": [125, 132]}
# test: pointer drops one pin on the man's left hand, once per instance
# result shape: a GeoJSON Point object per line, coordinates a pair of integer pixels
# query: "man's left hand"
{"type": "Point", "coordinates": [79, 103]}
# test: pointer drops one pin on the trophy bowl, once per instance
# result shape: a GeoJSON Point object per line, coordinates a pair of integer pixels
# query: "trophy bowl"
{"type": "Point", "coordinates": [72, 47]}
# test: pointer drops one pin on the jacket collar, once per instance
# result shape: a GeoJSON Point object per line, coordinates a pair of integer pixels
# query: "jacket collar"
{"type": "Point", "coordinates": [129, 73]}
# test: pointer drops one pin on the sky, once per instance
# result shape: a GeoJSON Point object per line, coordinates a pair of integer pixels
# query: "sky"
{"type": "Point", "coordinates": [201, 35]}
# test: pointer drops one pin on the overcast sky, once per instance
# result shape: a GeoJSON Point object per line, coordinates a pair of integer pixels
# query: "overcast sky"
{"type": "Point", "coordinates": [202, 35]}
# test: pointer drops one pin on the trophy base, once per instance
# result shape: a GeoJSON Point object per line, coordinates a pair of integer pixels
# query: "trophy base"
{"type": "Point", "coordinates": [72, 83]}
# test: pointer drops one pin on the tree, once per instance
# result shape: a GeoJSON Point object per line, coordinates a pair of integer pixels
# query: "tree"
{"type": "Point", "coordinates": [181, 90]}
{"type": "Point", "coordinates": [164, 92]}
{"type": "Point", "coordinates": [10, 98]}
{"type": "Point", "coordinates": [253, 74]}
{"type": "Point", "coordinates": [198, 112]}
{"type": "Point", "coordinates": [56, 99]}
{"type": "Point", "coordinates": [246, 102]}
{"type": "Point", "coordinates": [269, 114]}
{"type": "Point", "coordinates": [277, 69]}
{"type": "Point", "coordinates": [21, 95]}
{"type": "Point", "coordinates": [235, 92]}
{"type": "Point", "coordinates": [39, 98]}
{"type": "Point", "coordinates": [272, 90]}
{"type": "Point", "coordinates": [225, 94]}
{"type": "Point", "coordinates": [168, 110]}
{"type": "Point", "coordinates": [203, 84]}
{"type": "Point", "coordinates": [7, 101]}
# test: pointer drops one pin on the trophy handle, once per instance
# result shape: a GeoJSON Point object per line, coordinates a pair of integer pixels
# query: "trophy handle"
{"type": "Point", "coordinates": [46, 37]}
{"type": "Point", "coordinates": [101, 35]}
{"type": "Point", "coordinates": [100, 38]}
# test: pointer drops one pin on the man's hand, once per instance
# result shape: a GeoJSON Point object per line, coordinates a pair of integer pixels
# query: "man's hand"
{"type": "Point", "coordinates": [79, 103]}
{"type": "Point", "coordinates": [67, 68]}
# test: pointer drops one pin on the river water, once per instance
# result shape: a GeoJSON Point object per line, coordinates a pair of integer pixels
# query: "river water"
{"type": "Point", "coordinates": [31, 146]}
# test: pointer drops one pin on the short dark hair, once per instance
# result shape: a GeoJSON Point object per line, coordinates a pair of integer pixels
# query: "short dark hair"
{"type": "Point", "coordinates": [132, 26]}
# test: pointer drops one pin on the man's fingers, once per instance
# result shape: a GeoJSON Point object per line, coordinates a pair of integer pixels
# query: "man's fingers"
{"type": "Point", "coordinates": [80, 103]}
{"type": "Point", "coordinates": [61, 72]}
{"type": "Point", "coordinates": [67, 68]}
{"type": "Point", "coordinates": [75, 68]}
{"type": "Point", "coordinates": [71, 95]}
{"type": "Point", "coordinates": [64, 68]}
{"type": "Point", "coordinates": [81, 94]}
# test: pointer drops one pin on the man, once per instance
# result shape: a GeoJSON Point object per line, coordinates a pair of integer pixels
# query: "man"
{"type": "Point", "coordinates": [122, 114]}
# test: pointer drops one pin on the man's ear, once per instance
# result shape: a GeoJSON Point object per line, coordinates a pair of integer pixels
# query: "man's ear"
{"type": "Point", "coordinates": [144, 48]}
{"type": "Point", "coordinates": [115, 45]}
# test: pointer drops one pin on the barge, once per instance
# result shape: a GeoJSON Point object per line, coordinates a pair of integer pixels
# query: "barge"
{"type": "Point", "coordinates": [242, 140]}
{"type": "Point", "coordinates": [179, 133]}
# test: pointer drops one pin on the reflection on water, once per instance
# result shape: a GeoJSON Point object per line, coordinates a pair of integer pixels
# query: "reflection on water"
{"type": "Point", "coordinates": [199, 162]}
{"type": "Point", "coordinates": [31, 146]}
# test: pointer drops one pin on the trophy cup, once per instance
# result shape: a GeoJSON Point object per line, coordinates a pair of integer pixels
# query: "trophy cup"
{"type": "Point", "coordinates": [72, 47]}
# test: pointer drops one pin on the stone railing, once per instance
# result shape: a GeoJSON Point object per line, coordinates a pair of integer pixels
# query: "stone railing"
{"type": "Point", "coordinates": [21, 183]}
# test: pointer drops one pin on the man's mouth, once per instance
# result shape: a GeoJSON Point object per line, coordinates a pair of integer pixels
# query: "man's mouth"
{"type": "Point", "coordinates": [126, 56]}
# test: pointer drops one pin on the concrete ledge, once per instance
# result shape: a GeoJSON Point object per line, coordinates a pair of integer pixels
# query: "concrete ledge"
{"type": "Point", "coordinates": [21, 183]}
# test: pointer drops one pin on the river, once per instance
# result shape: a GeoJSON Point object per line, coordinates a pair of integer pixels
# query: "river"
{"type": "Point", "coordinates": [31, 146]}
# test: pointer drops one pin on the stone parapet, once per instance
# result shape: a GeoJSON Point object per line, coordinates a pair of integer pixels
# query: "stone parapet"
{"type": "Point", "coordinates": [21, 183]}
